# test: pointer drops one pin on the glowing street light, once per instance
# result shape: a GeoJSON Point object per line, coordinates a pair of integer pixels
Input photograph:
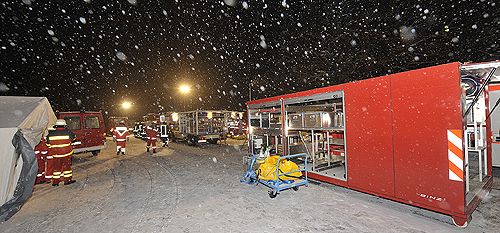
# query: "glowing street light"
{"type": "Point", "coordinates": [185, 89]}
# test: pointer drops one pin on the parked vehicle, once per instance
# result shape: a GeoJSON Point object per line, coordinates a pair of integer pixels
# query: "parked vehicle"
{"type": "Point", "coordinates": [237, 127]}
{"type": "Point", "coordinates": [89, 129]}
{"type": "Point", "coordinates": [202, 126]}
{"type": "Point", "coordinates": [407, 137]}
{"type": "Point", "coordinates": [113, 122]}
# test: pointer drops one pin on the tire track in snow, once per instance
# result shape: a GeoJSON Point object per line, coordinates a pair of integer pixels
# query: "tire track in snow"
{"type": "Point", "coordinates": [174, 179]}
{"type": "Point", "coordinates": [60, 205]}
{"type": "Point", "coordinates": [146, 207]}
{"type": "Point", "coordinates": [148, 199]}
{"type": "Point", "coordinates": [98, 204]}
{"type": "Point", "coordinates": [59, 202]}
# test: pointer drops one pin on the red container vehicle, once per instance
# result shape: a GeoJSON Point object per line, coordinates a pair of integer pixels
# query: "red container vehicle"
{"type": "Point", "coordinates": [415, 137]}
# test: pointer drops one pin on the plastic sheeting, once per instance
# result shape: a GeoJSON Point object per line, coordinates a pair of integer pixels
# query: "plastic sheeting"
{"type": "Point", "coordinates": [27, 176]}
{"type": "Point", "coordinates": [24, 121]}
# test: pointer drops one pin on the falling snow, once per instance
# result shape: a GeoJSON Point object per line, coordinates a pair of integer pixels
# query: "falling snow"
{"type": "Point", "coordinates": [95, 54]}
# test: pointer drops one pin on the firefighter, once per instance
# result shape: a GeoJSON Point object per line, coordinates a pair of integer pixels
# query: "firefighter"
{"type": "Point", "coordinates": [164, 134]}
{"type": "Point", "coordinates": [59, 143]}
{"type": "Point", "coordinates": [49, 164]}
{"type": "Point", "coordinates": [151, 134]}
{"type": "Point", "coordinates": [41, 156]}
{"type": "Point", "coordinates": [121, 137]}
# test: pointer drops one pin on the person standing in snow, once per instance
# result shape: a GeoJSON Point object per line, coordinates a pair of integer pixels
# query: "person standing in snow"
{"type": "Point", "coordinates": [121, 137]}
{"type": "Point", "coordinates": [41, 156]}
{"type": "Point", "coordinates": [151, 134]}
{"type": "Point", "coordinates": [49, 164]}
{"type": "Point", "coordinates": [59, 144]}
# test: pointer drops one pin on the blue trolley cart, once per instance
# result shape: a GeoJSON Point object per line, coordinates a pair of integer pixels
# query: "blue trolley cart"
{"type": "Point", "coordinates": [251, 164]}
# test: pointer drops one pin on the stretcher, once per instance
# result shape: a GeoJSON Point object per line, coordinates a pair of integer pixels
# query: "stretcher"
{"type": "Point", "coordinates": [281, 181]}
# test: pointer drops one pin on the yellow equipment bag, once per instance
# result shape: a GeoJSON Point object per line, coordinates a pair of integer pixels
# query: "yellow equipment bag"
{"type": "Point", "coordinates": [267, 170]}
{"type": "Point", "coordinates": [289, 166]}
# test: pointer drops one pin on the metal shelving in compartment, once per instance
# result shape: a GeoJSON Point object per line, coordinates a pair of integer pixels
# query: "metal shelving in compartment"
{"type": "Point", "coordinates": [315, 126]}
{"type": "Point", "coordinates": [265, 128]}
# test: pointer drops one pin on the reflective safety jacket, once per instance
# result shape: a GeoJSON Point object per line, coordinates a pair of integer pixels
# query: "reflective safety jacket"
{"type": "Point", "coordinates": [41, 150]}
{"type": "Point", "coordinates": [59, 142]}
{"type": "Point", "coordinates": [121, 133]}
{"type": "Point", "coordinates": [152, 132]}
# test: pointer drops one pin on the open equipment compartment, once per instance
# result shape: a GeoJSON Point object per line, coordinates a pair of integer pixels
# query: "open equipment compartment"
{"type": "Point", "coordinates": [415, 137]}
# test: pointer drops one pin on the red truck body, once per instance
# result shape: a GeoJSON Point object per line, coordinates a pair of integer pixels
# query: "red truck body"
{"type": "Point", "coordinates": [405, 136]}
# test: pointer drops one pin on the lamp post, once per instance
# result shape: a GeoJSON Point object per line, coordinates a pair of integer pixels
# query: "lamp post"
{"type": "Point", "coordinates": [250, 86]}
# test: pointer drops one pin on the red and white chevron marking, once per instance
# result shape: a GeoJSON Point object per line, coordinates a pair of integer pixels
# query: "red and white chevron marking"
{"type": "Point", "coordinates": [455, 155]}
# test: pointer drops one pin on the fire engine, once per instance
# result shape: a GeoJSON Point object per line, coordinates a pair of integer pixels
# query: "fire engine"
{"type": "Point", "coordinates": [417, 137]}
{"type": "Point", "coordinates": [201, 126]}
{"type": "Point", "coordinates": [113, 122]}
{"type": "Point", "coordinates": [237, 127]}
{"type": "Point", "coordinates": [88, 128]}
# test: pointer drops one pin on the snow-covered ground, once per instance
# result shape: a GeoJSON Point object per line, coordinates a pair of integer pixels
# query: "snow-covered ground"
{"type": "Point", "coordinates": [198, 189]}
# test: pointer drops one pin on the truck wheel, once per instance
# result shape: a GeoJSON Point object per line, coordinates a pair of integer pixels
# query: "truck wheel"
{"type": "Point", "coordinates": [461, 222]}
{"type": "Point", "coordinates": [95, 152]}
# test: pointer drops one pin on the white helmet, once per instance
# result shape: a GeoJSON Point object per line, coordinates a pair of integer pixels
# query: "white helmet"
{"type": "Point", "coordinates": [60, 122]}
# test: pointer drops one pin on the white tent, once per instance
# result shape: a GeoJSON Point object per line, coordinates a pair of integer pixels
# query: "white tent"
{"type": "Point", "coordinates": [23, 122]}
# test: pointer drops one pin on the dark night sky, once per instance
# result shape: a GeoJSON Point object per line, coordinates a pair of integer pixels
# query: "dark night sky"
{"type": "Point", "coordinates": [98, 54]}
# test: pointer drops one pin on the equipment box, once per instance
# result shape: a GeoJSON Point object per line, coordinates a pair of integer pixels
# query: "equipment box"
{"type": "Point", "coordinates": [296, 120]}
{"type": "Point", "coordinates": [312, 120]}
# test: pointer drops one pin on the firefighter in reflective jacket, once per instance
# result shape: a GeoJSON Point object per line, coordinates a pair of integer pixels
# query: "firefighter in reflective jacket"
{"type": "Point", "coordinates": [151, 135]}
{"type": "Point", "coordinates": [41, 156]}
{"type": "Point", "coordinates": [49, 164]}
{"type": "Point", "coordinates": [59, 143]}
{"type": "Point", "coordinates": [121, 136]}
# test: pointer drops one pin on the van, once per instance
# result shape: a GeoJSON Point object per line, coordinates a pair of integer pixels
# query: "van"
{"type": "Point", "coordinates": [89, 129]}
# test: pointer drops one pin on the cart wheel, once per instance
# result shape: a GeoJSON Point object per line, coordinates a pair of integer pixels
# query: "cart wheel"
{"type": "Point", "coordinates": [295, 188]}
{"type": "Point", "coordinates": [461, 222]}
{"type": "Point", "coordinates": [272, 193]}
